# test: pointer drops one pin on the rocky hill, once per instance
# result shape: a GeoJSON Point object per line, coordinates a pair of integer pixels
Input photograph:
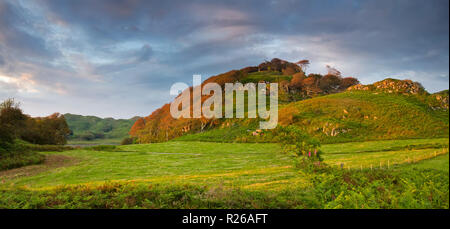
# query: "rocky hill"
{"type": "Point", "coordinates": [354, 115]}
{"type": "Point", "coordinates": [294, 85]}
{"type": "Point", "coordinates": [330, 107]}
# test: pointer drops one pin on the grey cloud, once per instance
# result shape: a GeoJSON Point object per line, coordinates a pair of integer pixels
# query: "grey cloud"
{"type": "Point", "coordinates": [145, 53]}
{"type": "Point", "coordinates": [16, 40]}
{"type": "Point", "coordinates": [2, 61]}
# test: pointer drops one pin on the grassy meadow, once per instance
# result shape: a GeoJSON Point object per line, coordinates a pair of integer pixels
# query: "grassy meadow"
{"type": "Point", "coordinates": [183, 174]}
{"type": "Point", "coordinates": [104, 141]}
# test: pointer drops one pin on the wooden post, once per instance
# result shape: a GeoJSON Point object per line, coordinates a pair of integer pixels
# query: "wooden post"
{"type": "Point", "coordinates": [380, 164]}
{"type": "Point", "coordinates": [370, 167]}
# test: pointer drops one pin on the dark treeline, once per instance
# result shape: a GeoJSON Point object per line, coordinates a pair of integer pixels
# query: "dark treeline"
{"type": "Point", "coordinates": [14, 124]}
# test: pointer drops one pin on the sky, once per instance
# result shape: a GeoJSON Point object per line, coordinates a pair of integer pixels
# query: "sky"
{"type": "Point", "coordinates": [119, 58]}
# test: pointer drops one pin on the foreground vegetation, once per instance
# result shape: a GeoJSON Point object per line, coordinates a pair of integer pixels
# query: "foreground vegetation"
{"type": "Point", "coordinates": [326, 189]}
{"type": "Point", "coordinates": [175, 175]}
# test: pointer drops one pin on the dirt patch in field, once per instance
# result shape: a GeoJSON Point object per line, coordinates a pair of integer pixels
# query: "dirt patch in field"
{"type": "Point", "coordinates": [51, 162]}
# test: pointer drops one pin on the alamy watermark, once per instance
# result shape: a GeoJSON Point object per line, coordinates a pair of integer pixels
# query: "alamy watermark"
{"type": "Point", "coordinates": [234, 95]}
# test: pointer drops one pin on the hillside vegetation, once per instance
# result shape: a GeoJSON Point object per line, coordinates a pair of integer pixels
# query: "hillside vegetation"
{"type": "Point", "coordinates": [294, 85]}
{"type": "Point", "coordinates": [330, 107]}
{"type": "Point", "coordinates": [354, 115]}
{"type": "Point", "coordinates": [91, 128]}
{"type": "Point", "coordinates": [362, 116]}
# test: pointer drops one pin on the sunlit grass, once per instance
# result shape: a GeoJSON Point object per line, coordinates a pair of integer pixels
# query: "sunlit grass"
{"type": "Point", "coordinates": [231, 175]}
{"type": "Point", "coordinates": [252, 166]}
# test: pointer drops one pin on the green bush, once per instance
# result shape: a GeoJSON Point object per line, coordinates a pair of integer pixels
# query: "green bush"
{"type": "Point", "coordinates": [297, 143]}
{"type": "Point", "coordinates": [127, 141]}
{"type": "Point", "coordinates": [15, 160]}
{"type": "Point", "coordinates": [20, 146]}
{"type": "Point", "coordinates": [21, 153]}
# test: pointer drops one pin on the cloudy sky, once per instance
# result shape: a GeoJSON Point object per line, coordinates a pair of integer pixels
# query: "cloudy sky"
{"type": "Point", "coordinates": [119, 58]}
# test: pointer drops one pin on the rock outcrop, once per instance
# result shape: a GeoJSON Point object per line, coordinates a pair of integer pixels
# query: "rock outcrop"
{"type": "Point", "coordinates": [392, 86]}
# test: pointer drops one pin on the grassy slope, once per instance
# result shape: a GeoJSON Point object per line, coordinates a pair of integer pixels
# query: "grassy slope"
{"type": "Point", "coordinates": [109, 127]}
{"type": "Point", "coordinates": [355, 116]}
{"type": "Point", "coordinates": [267, 76]}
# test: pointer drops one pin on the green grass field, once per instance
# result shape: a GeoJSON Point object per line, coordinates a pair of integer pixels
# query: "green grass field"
{"type": "Point", "coordinates": [233, 163]}
{"type": "Point", "coordinates": [105, 141]}
{"type": "Point", "coordinates": [254, 170]}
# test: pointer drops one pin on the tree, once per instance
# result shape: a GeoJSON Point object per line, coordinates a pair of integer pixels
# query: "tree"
{"type": "Point", "coordinates": [289, 70]}
{"type": "Point", "coordinates": [51, 130]}
{"type": "Point", "coordinates": [348, 82]}
{"type": "Point", "coordinates": [297, 80]}
{"type": "Point", "coordinates": [329, 82]}
{"type": "Point", "coordinates": [312, 80]}
{"type": "Point", "coordinates": [295, 142]}
{"type": "Point", "coordinates": [303, 64]}
{"type": "Point", "coordinates": [11, 116]}
{"type": "Point", "coordinates": [11, 121]}
{"type": "Point", "coordinates": [127, 141]}
{"type": "Point", "coordinates": [333, 71]}
{"type": "Point", "coordinates": [138, 125]}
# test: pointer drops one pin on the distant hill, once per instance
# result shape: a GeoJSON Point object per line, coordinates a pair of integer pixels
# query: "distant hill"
{"type": "Point", "coordinates": [91, 127]}
{"type": "Point", "coordinates": [329, 107]}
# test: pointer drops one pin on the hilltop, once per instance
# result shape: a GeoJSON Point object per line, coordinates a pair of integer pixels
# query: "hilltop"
{"type": "Point", "coordinates": [330, 107]}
